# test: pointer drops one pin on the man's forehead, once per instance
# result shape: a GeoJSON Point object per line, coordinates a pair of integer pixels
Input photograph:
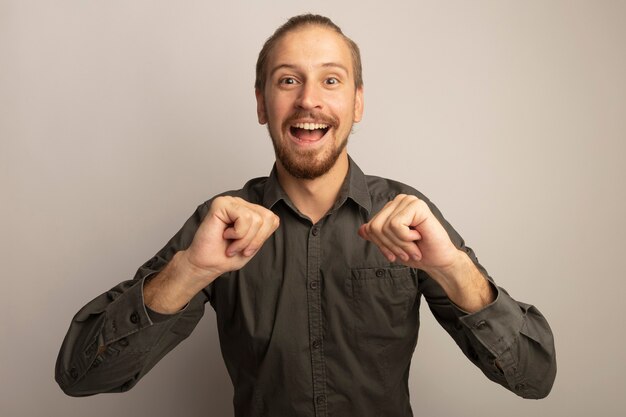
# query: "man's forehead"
{"type": "Point", "coordinates": [311, 42]}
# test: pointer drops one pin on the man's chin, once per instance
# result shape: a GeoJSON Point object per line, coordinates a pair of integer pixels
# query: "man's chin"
{"type": "Point", "coordinates": [307, 164]}
{"type": "Point", "coordinates": [308, 167]}
{"type": "Point", "coordinates": [304, 171]}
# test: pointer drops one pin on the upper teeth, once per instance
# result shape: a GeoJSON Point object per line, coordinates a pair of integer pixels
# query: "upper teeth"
{"type": "Point", "coordinates": [311, 126]}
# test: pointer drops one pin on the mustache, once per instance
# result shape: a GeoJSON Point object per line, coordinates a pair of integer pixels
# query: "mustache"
{"type": "Point", "coordinates": [312, 115]}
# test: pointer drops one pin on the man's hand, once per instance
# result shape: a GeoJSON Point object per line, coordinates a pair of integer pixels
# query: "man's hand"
{"type": "Point", "coordinates": [406, 230]}
{"type": "Point", "coordinates": [229, 236]}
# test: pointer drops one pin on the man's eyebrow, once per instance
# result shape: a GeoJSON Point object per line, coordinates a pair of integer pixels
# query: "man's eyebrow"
{"type": "Point", "coordinates": [334, 64]}
{"type": "Point", "coordinates": [283, 66]}
{"type": "Point", "coordinates": [296, 68]}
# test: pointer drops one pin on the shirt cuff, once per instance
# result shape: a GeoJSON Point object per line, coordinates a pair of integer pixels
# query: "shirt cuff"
{"type": "Point", "coordinates": [496, 325]}
{"type": "Point", "coordinates": [157, 317]}
{"type": "Point", "coordinates": [127, 314]}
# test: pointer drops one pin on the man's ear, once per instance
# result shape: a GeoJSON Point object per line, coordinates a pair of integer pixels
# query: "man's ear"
{"type": "Point", "coordinates": [358, 104]}
{"type": "Point", "coordinates": [261, 114]}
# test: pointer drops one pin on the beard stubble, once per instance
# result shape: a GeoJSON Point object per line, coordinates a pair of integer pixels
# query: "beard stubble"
{"type": "Point", "coordinates": [305, 164]}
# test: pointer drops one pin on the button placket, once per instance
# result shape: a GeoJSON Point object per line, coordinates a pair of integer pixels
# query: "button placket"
{"type": "Point", "coordinates": [314, 306]}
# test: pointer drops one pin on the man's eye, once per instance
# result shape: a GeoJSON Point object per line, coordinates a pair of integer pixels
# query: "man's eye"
{"type": "Point", "coordinates": [288, 80]}
{"type": "Point", "coordinates": [332, 81]}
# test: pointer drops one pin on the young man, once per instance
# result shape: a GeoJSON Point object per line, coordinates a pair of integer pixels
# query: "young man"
{"type": "Point", "coordinates": [315, 273]}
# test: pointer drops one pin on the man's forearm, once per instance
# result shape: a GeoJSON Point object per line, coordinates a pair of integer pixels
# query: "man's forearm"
{"type": "Point", "coordinates": [172, 288]}
{"type": "Point", "coordinates": [464, 285]}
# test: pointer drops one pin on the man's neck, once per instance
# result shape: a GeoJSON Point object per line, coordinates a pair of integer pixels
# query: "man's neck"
{"type": "Point", "coordinates": [314, 198]}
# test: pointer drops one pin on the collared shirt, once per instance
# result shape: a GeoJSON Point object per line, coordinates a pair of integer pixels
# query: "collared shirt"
{"type": "Point", "coordinates": [318, 323]}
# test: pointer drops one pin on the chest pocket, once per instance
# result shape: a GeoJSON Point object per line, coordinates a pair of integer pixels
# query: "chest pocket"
{"type": "Point", "coordinates": [385, 304]}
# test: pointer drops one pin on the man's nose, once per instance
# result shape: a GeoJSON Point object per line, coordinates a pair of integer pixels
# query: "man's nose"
{"type": "Point", "coordinates": [309, 97]}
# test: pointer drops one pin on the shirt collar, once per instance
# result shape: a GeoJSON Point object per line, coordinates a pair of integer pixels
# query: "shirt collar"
{"type": "Point", "coordinates": [273, 192]}
{"type": "Point", "coordinates": [353, 187]}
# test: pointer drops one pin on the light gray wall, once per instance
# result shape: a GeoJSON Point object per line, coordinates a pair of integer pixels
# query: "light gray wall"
{"type": "Point", "coordinates": [118, 117]}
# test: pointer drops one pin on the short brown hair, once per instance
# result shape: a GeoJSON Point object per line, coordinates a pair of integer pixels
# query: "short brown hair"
{"type": "Point", "coordinates": [293, 24]}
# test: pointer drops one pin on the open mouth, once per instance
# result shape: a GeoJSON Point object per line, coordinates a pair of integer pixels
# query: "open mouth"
{"type": "Point", "coordinates": [309, 132]}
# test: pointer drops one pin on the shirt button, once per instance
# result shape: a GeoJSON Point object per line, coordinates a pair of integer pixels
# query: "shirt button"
{"type": "Point", "coordinates": [316, 344]}
{"type": "Point", "coordinates": [134, 318]}
{"type": "Point", "coordinates": [74, 373]}
{"type": "Point", "coordinates": [313, 285]}
{"type": "Point", "coordinates": [320, 399]}
{"type": "Point", "coordinates": [520, 387]}
{"type": "Point", "coordinates": [380, 273]}
{"type": "Point", "coordinates": [315, 231]}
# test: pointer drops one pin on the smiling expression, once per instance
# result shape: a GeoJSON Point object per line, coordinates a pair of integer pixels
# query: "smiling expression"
{"type": "Point", "coordinates": [310, 101]}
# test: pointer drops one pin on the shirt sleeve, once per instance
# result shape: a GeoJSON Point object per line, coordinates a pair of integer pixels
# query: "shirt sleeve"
{"type": "Point", "coordinates": [510, 341]}
{"type": "Point", "coordinates": [114, 340]}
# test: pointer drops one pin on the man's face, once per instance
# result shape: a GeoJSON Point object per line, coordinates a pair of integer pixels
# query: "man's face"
{"type": "Point", "coordinates": [309, 102]}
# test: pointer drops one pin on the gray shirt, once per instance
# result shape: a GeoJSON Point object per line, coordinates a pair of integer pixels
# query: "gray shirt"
{"type": "Point", "coordinates": [318, 323]}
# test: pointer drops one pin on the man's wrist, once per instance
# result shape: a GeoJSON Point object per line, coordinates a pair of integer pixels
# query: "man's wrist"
{"type": "Point", "coordinates": [191, 271]}
{"type": "Point", "coordinates": [464, 284]}
{"type": "Point", "coordinates": [452, 274]}
{"type": "Point", "coordinates": [172, 288]}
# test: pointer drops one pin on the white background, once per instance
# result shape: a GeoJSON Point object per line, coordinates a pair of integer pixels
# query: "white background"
{"type": "Point", "coordinates": [117, 118]}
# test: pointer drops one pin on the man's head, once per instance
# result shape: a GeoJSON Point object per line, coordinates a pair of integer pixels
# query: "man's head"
{"type": "Point", "coordinates": [309, 92]}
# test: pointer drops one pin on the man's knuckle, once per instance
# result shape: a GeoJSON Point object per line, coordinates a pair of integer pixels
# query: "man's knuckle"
{"type": "Point", "coordinates": [219, 201]}
{"type": "Point", "coordinates": [395, 223]}
{"type": "Point", "coordinates": [376, 227]}
{"type": "Point", "coordinates": [423, 206]}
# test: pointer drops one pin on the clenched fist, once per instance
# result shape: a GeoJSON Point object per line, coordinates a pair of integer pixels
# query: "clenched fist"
{"type": "Point", "coordinates": [406, 230]}
{"type": "Point", "coordinates": [229, 236]}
